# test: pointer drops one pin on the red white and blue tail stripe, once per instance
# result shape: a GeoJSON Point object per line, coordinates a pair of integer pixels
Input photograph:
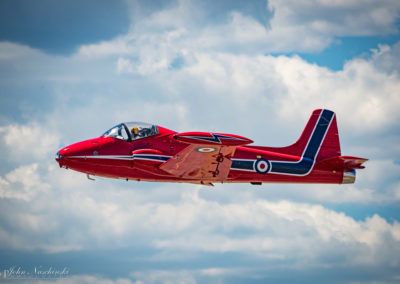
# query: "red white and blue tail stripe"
{"type": "Point", "coordinates": [307, 158]}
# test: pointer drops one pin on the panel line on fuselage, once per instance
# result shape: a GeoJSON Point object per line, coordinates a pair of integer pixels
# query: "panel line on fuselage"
{"type": "Point", "coordinates": [150, 157]}
{"type": "Point", "coordinates": [215, 138]}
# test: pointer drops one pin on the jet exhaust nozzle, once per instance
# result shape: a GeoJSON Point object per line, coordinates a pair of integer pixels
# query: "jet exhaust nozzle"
{"type": "Point", "coordinates": [349, 176]}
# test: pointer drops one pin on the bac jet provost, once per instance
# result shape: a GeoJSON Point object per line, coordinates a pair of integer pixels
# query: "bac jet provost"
{"type": "Point", "coordinates": [145, 152]}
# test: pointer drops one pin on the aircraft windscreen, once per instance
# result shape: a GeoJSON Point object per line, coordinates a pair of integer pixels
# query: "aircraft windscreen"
{"type": "Point", "coordinates": [119, 131]}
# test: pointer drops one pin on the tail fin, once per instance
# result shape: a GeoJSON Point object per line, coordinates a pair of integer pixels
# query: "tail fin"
{"type": "Point", "coordinates": [319, 140]}
{"type": "Point", "coordinates": [330, 146]}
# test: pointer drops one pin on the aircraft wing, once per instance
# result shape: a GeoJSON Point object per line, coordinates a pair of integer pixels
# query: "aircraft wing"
{"type": "Point", "coordinates": [207, 163]}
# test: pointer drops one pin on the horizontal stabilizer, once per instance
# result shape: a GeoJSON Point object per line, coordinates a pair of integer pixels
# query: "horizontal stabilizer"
{"type": "Point", "coordinates": [346, 161]}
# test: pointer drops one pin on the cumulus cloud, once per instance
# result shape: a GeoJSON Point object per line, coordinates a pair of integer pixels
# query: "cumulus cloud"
{"type": "Point", "coordinates": [288, 26]}
{"type": "Point", "coordinates": [358, 93]}
{"type": "Point", "coordinates": [365, 90]}
{"type": "Point", "coordinates": [172, 70]}
{"type": "Point", "coordinates": [317, 228]}
{"type": "Point", "coordinates": [23, 183]}
{"type": "Point", "coordinates": [187, 221]}
{"type": "Point", "coordinates": [165, 276]}
{"type": "Point", "coordinates": [32, 141]}
{"type": "Point", "coordinates": [285, 86]}
{"type": "Point", "coordinates": [383, 57]}
{"type": "Point", "coordinates": [312, 25]}
{"type": "Point", "coordinates": [124, 65]}
{"type": "Point", "coordinates": [82, 279]}
{"type": "Point", "coordinates": [10, 51]}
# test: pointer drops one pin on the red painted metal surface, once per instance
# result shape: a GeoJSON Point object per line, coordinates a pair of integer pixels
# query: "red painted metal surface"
{"type": "Point", "coordinates": [153, 153]}
{"type": "Point", "coordinates": [207, 138]}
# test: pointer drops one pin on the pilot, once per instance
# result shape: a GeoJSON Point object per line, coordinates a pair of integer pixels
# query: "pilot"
{"type": "Point", "coordinates": [142, 132]}
{"type": "Point", "coordinates": [135, 132]}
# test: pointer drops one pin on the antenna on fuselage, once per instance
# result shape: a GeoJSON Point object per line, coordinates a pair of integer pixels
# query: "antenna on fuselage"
{"type": "Point", "coordinates": [88, 176]}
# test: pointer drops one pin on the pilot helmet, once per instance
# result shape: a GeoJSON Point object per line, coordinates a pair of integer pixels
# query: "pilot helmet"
{"type": "Point", "coordinates": [135, 130]}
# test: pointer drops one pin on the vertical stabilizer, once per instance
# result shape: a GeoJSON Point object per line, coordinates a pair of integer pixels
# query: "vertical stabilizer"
{"type": "Point", "coordinates": [319, 139]}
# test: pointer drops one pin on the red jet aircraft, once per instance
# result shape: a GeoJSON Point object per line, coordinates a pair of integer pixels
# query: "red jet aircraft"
{"type": "Point", "coordinates": [145, 152]}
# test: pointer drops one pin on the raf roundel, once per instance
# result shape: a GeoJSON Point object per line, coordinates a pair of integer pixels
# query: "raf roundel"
{"type": "Point", "coordinates": [206, 149]}
{"type": "Point", "coordinates": [262, 166]}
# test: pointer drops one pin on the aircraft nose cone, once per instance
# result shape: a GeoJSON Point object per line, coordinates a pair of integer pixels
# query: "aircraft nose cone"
{"type": "Point", "coordinates": [58, 156]}
{"type": "Point", "coordinates": [63, 154]}
{"type": "Point", "coordinates": [59, 159]}
{"type": "Point", "coordinates": [70, 156]}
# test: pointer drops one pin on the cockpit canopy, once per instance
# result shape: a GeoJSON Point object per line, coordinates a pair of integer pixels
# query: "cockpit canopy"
{"type": "Point", "coordinates": [130, 131]}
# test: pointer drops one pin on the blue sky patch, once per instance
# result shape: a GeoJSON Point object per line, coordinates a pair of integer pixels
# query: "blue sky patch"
{"type": "Point", "coordinates": [62, 26]}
